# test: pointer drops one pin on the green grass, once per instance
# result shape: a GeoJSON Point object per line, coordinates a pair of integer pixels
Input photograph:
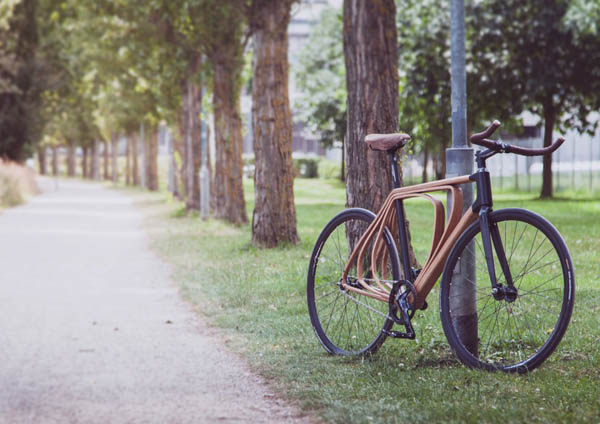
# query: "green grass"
{"type": "Point", "coordinates": [258, 298]}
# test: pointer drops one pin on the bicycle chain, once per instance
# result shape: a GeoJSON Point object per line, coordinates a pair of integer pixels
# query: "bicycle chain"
{"type": "Point", "coordinates": [386, 316]}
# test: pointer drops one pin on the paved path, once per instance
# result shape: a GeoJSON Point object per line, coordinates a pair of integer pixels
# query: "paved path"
{"type": "Point", "coordinates": [92, 331]}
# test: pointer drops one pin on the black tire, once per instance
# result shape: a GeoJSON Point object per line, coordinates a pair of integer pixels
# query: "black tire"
{"type": "Point", "coordinates": [512, 336]}
{"type": "Point", "coordinates": [345, 322]}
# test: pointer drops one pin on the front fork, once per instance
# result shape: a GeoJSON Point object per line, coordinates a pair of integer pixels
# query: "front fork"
{"type": "Point", "coordinates": [491, 235]}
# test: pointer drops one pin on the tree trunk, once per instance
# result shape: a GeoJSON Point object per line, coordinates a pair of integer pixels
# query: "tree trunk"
{"type": "Point", "coordinates": [143, 157]}
{"type": "Point", "coordinates": [95, 161]}
{"type": "Point", "coordinates": [134, 156]}
{"type": "Point", "coordinates": [192, 109]}
{"type": "Point", "coordinates": [55, 161]}
{"type": "Point", "coordinates": [213, 200]}
{"type": "Point", "coordinates": [84, 162]}
{"type": "Point", "coordinates": [371, 55]}
{"type": "Point", "coordinates": [549, 121]}
{"type": "Point", "coordinates": [179, 145]}
{"type": "Point", "coordinates": [152, 161]}
{"type": "Point", "coordinates": [128, 161]}
{"type": "Point", "coordinates": [41, 153]}
{"type": "Point", "coordinates": [114, 156]}
{"type": "Point", "coordinates": [229, 192]}
{"type": "Point", "coordinates": [425, 162]}
{"type": "Point", "coordinates": [70, 158]}
{"type": "Point", "coordinates": [274, 217]}
{"type": "Point", "coordinates": [105, 162]}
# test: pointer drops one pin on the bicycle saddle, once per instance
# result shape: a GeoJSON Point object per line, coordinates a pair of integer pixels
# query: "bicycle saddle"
{"type": "Point", "coordinates": [386, 142]}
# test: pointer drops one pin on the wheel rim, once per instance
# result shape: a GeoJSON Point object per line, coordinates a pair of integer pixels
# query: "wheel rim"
{"type": "Point", "coordinates": [512, 334]}
{"type": "Point", "coordinates": [346, 322]}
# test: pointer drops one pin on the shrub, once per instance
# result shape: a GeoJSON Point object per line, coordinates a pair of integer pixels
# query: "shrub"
{"type": "Point", "coordinates": [17, 182]}
{"type": "Point", "coordinates": [306, 167]}
{"type": "Point", "coordinates": [329, 169]}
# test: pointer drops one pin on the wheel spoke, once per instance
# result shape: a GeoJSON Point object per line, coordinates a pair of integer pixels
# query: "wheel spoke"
{"type": "Point", "coordinates": [353, 324]}
{"type": "Point", "coordinates": [512, 335]}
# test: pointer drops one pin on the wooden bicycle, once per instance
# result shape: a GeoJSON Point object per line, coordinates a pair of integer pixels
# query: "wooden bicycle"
{"type": "Point", "coordinates": [507, 287]}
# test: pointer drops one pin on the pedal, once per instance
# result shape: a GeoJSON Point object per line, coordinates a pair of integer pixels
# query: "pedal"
{"type": "Point", "coordinates": [399, 335]}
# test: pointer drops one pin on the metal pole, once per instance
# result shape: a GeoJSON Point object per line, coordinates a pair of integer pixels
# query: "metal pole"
{"type": "Point", "coordinates": [459, 161]}
{"type": "Point", "coordinates": [143, 156]}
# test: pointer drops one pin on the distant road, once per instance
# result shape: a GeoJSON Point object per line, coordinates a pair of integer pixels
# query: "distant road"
{"type": "Point", "coordinates": [93, 331]}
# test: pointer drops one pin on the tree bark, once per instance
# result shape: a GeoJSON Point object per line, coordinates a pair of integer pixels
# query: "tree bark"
{"type": "Point", "coordinates": [549, 121]}
{"type": "Point", "coordinates": [213, 199]}
{"type": "Point", "coordinates": [84, 162]}
{"type": "Point", "coordinates": [143, 157]}
{"type": "Point", "coordinates": [179, 145]}
{"type": "Point", "coordinates": [95, 161]}
{"type": "Point", "coordinates": [371, 55]}
{"type": "Point", "coordinates": [106, 160]}
{"type": "Point", "coordinates": [42, 160]}
{"type": "Point", "coordinates": [114, 156]}
{"type": "Point", "coordinates": [229, 192]}
{"type": "Point", "coordinates": [134, 156]}
{"type": "Point", "coordinates": [70, 158]}
{"type": "Point", "coordinates": [191, 112]}
{"type": "Point", "coordinates": [274, 217]}
{"type": "Point", "coordinates": [128, 161]}
{"type": "Point", "coordinates": [55, 161]}
{"type": "Point", "coordinates": [152, 161]}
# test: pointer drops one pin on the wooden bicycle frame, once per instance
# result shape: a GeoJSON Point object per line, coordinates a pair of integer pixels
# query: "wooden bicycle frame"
{"type": "Point", "coordinates": [391, 218]}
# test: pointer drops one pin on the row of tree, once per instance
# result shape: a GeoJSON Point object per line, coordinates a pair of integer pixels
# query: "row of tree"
{"type": "Point", "coordinates": [73, 72]}
{"type": "Point", "coordinates": [113, 66]}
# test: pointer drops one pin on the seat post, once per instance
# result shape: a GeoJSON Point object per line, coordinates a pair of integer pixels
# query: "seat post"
{"type": "Point", "coordinates": [395, 175]}
{"type": "Point", "coordinates": [401, 217]}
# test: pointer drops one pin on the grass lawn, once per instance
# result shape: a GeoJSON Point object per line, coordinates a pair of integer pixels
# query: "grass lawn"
{"type": "Point", "coordinates": [258, 298]}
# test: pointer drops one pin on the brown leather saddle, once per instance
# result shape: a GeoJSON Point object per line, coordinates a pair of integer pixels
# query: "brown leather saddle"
{"type": "Point", "coordinates": [386, 142]}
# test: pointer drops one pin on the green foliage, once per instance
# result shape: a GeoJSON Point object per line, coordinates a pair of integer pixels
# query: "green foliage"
{"type": "Point", "coordinates": [329, 169]}
{"type": "Point", "coordinates": [584, 15]}
{"type": "Point", "coordinates": [425, 86]}
{"type": "Point", "coordinates": [22, 80]}
{"type": "Point", "coordinates": [544, 63]}
{"type": "Point", "coordinates": [321, 80]}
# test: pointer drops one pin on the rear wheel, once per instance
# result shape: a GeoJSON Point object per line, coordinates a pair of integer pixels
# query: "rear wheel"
{"type": "Point", "coordinates": [514, 334]}
{"type": "Point", "coordinates": [345, 322]}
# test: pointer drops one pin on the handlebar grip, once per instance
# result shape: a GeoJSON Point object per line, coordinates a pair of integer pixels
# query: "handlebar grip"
{"type": "Point", "coordinates": [476, 138]}
{"type": "Point", "coordinates": [537, 152]}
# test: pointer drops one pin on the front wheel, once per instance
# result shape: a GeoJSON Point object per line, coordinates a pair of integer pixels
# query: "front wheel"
{"type": "Point", "coordinates": [345, 322]}
{"type": "Point", "coordinates": [507, 333]}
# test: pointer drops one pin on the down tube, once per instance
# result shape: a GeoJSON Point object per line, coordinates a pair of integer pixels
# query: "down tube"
{"type": "Point", "coordinates": [428, 277]}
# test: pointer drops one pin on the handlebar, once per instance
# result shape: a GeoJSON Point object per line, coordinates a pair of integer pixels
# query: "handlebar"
{"type": "Point", "coordinates": [481, 140]}
{"type": "Point", "coordinates": [485, 134]}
